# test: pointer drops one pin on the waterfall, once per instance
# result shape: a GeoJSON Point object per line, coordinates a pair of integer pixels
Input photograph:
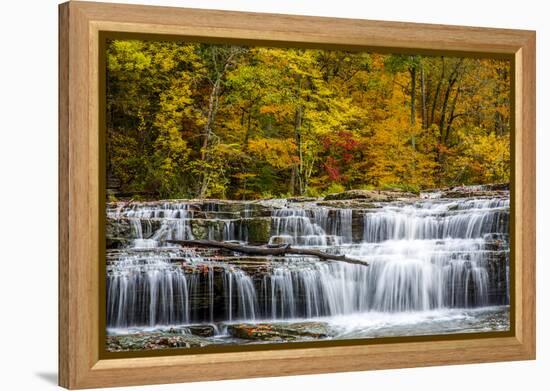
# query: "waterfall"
{"type": "Point", "coordinates": [312, 227]}
{"type": "Point", "coordinates": [173, 217]}
{"type": "Point", "coordinates": [423, 255]}
{"type": "Point", "coordinates": [342, 224]}
{"type": "Point", "coordinates": [401, 276]}
{"type": "Point", "coordinates": [296, 227]}
{"type": "Point", "coordinates": [148, 290]}
{"type": "Point", "coordinates": [466, 219]}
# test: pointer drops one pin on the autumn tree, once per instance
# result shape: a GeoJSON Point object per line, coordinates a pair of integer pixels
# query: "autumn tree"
{"type": "Point", "coordinates": [203, 120]}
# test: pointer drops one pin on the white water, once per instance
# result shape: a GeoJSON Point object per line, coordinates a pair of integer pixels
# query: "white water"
{"type": "Point", "coordinates": [431, 256]}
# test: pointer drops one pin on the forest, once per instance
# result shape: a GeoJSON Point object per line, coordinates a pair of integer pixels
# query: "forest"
{"type": "Point", "coordinates": [195, 120]}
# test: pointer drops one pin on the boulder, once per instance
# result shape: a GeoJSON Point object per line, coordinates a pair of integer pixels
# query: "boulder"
{"type": "Point", "coordinates": [201, 330]}
{"type": "Point", "coordinates": [258, 229]}
{"type": "Point", "coordinates": [207, 229]}
{"type": "Point", "coordinates": [279, 331]}
{"type": "Point", "coordinates": [118, 228]}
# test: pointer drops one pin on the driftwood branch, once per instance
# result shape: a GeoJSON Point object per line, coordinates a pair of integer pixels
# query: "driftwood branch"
{"type": "Point", "coordinates": [256, 250]}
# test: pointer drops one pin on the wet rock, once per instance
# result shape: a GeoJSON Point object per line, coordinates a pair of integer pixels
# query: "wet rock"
{"type": "Point", "coordinates": [118, 233]}
{"type": "Point", "coordinates": [495, 190]}
{"type": "Point", "coordinates": [118, 228]}
{"type": "Point", "coordinates": [215, 215]}
{"type": "Point", "coordinates": [258, 229]}
{"type": "Point", "coordinates": [304, 329]}
{"type": "Point", "coordinates": [234, 209]}
{"type": "Point", "coordinates": [201, 330]}
{"type": "Point", "coordinates": [371, 195]}
{"type": "Point", "coordinates": [279, 331]}
{"type": "Point", "coordinates": [498, 186]}
{"type": "Point", "coordinates": [497, 243]}
{"type": "Point", "coordinates": [280, 240]}
{"type": "Point", "coordinates": [199, 229]}
{"type": "Point", "coordinates": [256, 266]}
{"type": "Point", "coordinates": [117, 243]}
{"type": "Point", "coordinates": [257, 332]}
{"type": "Point", "coordinates": [348, 204]}
{"type": "Point", "coordinates": [154, 341]}
{"type": "Point", "coordinates": [302, 199]}
{"type": "Point", "coordinates": [459, 193]}
{"type": "Point", "coordinates": [208, 228]}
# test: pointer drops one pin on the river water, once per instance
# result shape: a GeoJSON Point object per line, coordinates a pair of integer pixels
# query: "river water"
{"type": "Point", "coordinates": [432, 266]}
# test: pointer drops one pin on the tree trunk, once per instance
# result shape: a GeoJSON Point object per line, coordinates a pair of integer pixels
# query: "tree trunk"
{"type": "Point", "coordinates": [453, 78]}
{"type": "Point", "coordinates": [437, 91]}
{"type": "Point", "coordinates": [452, 116]}
{"type": "Point", "coordinates": [412, 71]}
{"type": "Point", "coordinates": [298, 139]}
{"type": "Point", "coordinates": [423, 97]}
{"type": "Point", "coordinates": [292, 185]}
{"type": "Point", "coordinates": [256, 250]}
{"type": "Point", "coordinates": [248, 129]}
{"type": "Point", "coordinates": [443, 117]}
{"type": "Point", "coordinates": [213, 105]}
{"type": "Point", "coordinates": [211, 116]}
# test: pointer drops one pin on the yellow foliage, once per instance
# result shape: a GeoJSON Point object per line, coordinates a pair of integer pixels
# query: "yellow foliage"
{"type": "Point", "coordinates": [276, 152]}
{"type": "Point", "coordinates": [243, 122]}
{"type": "Point", "coordinates": [485, 157]}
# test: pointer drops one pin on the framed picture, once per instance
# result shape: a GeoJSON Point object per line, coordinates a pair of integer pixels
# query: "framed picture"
{"type": "Point", "coordinates": [247, 195]}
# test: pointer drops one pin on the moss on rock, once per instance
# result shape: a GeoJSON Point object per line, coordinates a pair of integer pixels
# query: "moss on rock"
{"type": "Point", "coordinates": [259, 229]}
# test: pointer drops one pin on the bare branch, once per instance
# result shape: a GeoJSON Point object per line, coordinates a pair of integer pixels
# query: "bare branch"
{"type": "Point", "coordinates": [257, 250]}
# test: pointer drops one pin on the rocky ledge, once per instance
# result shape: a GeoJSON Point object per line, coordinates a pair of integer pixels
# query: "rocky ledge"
{"type": "Point", "coordinates": [280, 332]}
{"type": "Point", "coordinates": [366, 198]}
{"type": "Point", "coordinates": [495, 190]}
{"type": "Point", "coordinates": [372, 195]}
{"type": "Point", "coordinates": [155, 341]}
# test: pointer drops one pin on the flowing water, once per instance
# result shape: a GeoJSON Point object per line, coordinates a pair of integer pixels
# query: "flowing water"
{"type": "Point", "coordinates": [434, 266]}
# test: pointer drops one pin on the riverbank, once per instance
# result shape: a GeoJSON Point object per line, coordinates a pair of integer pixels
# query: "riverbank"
{"type": "Point", "coordinates": [356, 326]}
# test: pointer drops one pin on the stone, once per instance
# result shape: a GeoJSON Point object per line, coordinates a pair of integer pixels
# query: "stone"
{"type": "Point", "coordinates": [117, 243]}
{"type": "Point", "coordinates": [304, 329]}
{"type": "Point", "coordinates": [477, 194]}
{"type": "Point", "coordinates": [201, 330]}
{"type": "Point", "coordinates": [259, 229]}
{"type": "Point", "coordinates": [279, 331]}
{"type": "Point", "coordinates": [348, 204]}
{"type": "Point", "coordinates": [371, 195]}
{"type": "Point", "coordinates": [199, 228]}
{"type": "Point", "coordinates": [257, 332]}
{"type": "Point", "coordinates": [280, 240]}
{"type": "Point", "coordinates": [118, 228]}
{"type": "Point", "coordinates": [301, 199]}
{"type": "Point", "coordinates": [495, 190]}
{"type": "Point", "coordinates": [155, 341]}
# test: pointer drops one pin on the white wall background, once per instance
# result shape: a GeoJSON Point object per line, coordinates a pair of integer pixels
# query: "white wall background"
{"type": "Point", "coordinates": [28, 194]}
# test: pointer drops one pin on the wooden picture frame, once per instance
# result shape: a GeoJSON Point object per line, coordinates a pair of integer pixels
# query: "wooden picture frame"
{"type": "Point", "coordinates": [80, 205]}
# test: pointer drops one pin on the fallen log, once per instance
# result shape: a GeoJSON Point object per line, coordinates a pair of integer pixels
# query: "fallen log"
{"type": "Point", "coordinates": [257, 250]}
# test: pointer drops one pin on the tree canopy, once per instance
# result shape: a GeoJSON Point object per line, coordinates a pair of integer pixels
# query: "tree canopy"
{"type": "Point", "coordinates": [189, 120]}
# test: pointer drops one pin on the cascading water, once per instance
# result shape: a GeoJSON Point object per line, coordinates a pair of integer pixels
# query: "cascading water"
{"type": "Point", "coordinates": [422, 255]}
{"type": "Point", "coordinates": [148, 289]}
